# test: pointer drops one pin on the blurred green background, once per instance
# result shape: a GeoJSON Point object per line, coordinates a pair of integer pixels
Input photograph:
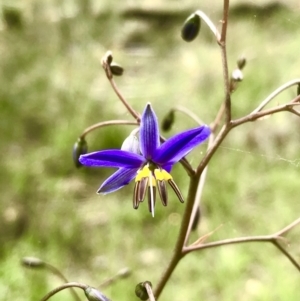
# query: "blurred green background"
{"type": "Point", "coordinates": [53, 87]}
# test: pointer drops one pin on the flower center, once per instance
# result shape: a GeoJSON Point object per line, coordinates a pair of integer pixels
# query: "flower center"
{"type": "Point", "coordinates": [149, 178]}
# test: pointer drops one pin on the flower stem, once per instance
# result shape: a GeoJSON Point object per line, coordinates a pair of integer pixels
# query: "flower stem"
{"type": "Point", "coordinates": [62, 287]}
{"type": "Point", "coordinates": [177, 254]}
{"type": "Point", "coordinates": [106, 123]}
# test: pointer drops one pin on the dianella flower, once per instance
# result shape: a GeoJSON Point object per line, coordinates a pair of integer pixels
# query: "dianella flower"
{"type": "Point", "coordinates": [150, 164]}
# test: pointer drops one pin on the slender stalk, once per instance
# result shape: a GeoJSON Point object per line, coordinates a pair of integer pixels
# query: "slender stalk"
{"type": "Point", "coordinates": [198, 195]}
{"type": "Point", "coordinates": [273, 238]}
{"type": "Point", "coordinates": [149, 291]}
{"type": "Point", "coordinates": [254, 116]}
{"type": "Point", "coordinates": [218, 118]}
{"type": "Point", "coordinates": [287, 254]}
{"type": "Point", "coordinates": [209, 23]}
{"type": "Point", "coordinates": [189, 113]}
{"type": "Point", "coordinates": [123, 273]}
{"type": "Point", "coordinates": [225, 63]}
{"type": "Point", "coordinates": [129, 108]}
{"type": "Point", "coordinates": [106, 123]}
{"type": "Point", "coordinates": [177, 254]}
{"type": "Point", "coordinates": [58, 273]}
{"type": "Point", "coordinates": [275, 93]}
{"type": "Point", "coordinates": [105, 62]}
{"type": "Point", "coordinates": [221, 136]}
{"type": "Point", "coordinates": [62, 287]}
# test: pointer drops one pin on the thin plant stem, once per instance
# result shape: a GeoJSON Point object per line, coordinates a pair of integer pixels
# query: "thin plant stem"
{"type": "Point", "coordinates": [209, 23]}
{"type": "Point", "coordinates": [225, 63]}
{"type": "Point", "coordinates": [177, 254]}
{"type": "Point", "coordinates": [149, 291]}
{"type": "Point", "coordinates": [210, 152]}
{"type": "Point", "coordinates": [276, 93]}
{"type": "Point", "coordinates": [105, 62]}
{"type": "Point", "coordinates": [254, 116]}
{"type": "Point", "coordinates": [189, 113]}
{"type": "Point", "coordinates": [59, 274]}
{"type": "Point", "coordinates": [123, 273]}
{"type": "Point", "coordinates": [129, 108]}
{"type": "Point", "coordinates": [273, 238]}
{"type": "Point", "coordinates": [287, 254]}
{"type": "Point", "coordinates": [106, 123]}
{"type": "Point", "coordinates": [198, 195]}
{"type": "Point", "coordinates": [62, 287]}
{"type": "Point", "coordinates": [218, 118]}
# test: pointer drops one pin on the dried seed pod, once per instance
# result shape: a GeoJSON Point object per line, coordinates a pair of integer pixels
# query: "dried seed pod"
{"type": "Point", "coordinates": [191, 28]}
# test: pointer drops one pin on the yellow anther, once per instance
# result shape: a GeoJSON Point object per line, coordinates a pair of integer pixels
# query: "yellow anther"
{"type": "Point", "coordinates": [145, 172]}
{"type": "Point", "coordinates": [162, 175]}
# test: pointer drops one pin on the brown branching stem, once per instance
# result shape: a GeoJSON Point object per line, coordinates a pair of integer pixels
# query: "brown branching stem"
{"type": "Point", "coordinates": [273, 238]}
{"type": "Point", "coordinates": [180, 251]}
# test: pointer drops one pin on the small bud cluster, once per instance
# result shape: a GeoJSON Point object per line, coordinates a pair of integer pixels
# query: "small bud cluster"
{"type": "Point", "coordinates": [237, 74]}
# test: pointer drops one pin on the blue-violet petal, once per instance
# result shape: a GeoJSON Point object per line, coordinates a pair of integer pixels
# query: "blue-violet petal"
{"type": "Point", "coordinates": [149, 133]}
{"type": "Point", "coordinates": [117, 180]}
{"type": "Point", "coordinates": [180, 145]}
{"type": "Point", "coordinates": [112, 158]}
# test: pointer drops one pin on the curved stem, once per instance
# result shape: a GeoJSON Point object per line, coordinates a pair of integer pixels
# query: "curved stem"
{"type": "Point", "coordinates": [58, 273]}
{"type": "Point", "coordinates": [188, 113]}
{"type": "Point", "coordinates": [257, 115]}
{"type": "Point", "coordinates": [106, 123]}
{"type": "Point", "coordinates": [62, 287]}
{"type": "Point", "coordinates": [209, 23]}
{"type": "Point", "coordinates": [276, 93]}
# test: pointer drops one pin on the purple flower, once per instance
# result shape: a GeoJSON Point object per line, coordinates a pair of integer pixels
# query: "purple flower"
{"type": "Point", "coordinates": [151, 165]}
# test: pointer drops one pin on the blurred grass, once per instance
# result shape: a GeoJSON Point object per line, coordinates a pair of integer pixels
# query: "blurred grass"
{"type": "Point", "coordinates": [52, 87]}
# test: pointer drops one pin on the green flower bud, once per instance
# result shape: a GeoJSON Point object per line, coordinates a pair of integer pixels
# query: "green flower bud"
{"type": "Point", "coordinates": [168, 121]}
{"type": "Point", "coordinates": [141, 291]}
{"type": "Point", "coordinates": [241, 62]}
{"type": "Point", "coordinates": [116, 69]}
{"type": "Point", "coordinates": [32, 262]}
{"type": "Point", "coordinates": [79, 148]}
{"type": "Point", "coordinates": [94, 295]}
{"type": "Point", "coordinates": [298, 89]}
{"type": "Point", "coordinates": [191, 28]}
